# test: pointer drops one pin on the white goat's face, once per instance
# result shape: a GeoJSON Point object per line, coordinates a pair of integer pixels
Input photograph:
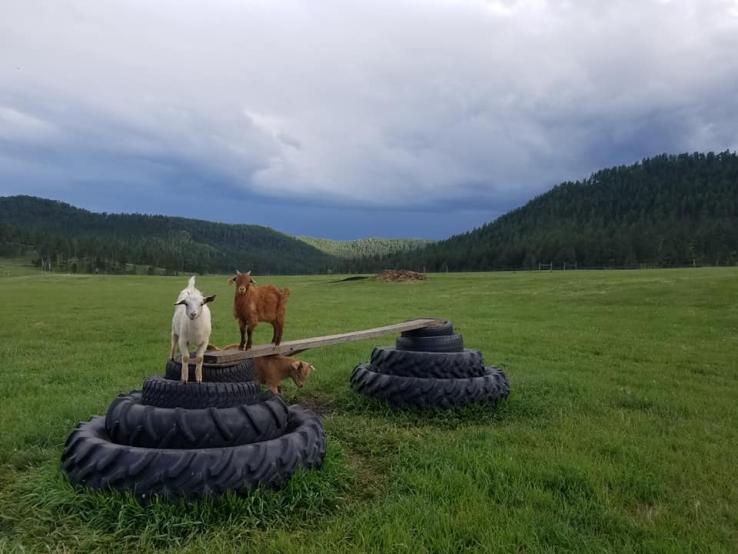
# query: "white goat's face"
{"type": "Point", "coordinates": [193, 304]}
{"type": "Point", "coordinates": [193, 307]}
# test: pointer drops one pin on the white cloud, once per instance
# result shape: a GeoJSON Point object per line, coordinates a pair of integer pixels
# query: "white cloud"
{"type": "Point", "coordinates": [382, 103]}
{"type": "Point", "coordinates": [19, 126]}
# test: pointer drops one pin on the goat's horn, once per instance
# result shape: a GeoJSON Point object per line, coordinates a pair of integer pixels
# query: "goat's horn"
{"type": "Point", "coordinates": [238, 272]}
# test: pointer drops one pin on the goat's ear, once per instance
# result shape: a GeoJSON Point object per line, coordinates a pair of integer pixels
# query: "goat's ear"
{"type": "Point", "coordinates": [231, 280]}
{"type": "Point", "coordinates": [180, 303]}
{"type": "Point", "coordinates": [208, 299]}
{"type": "Point", "coordinates": [296, 365]}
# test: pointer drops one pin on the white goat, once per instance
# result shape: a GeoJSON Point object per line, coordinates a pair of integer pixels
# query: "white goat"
{"type": "Point", "coordinates": [191, 326]}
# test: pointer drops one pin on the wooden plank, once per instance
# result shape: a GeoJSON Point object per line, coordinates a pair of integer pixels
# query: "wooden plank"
{"type": "Point", "coordinates": [234, 355]}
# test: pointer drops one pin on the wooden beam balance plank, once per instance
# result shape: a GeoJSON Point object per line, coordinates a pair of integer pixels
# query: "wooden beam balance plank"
{"type": "Point", "coordinates": [234, 355]}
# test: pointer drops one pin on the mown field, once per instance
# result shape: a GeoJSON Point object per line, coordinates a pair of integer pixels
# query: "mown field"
{"type": "Point", "coordinates": [620, 434]}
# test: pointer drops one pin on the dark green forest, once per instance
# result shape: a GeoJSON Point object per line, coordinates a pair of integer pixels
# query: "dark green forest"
{"type": "Point", "coordinates": [670, 210]}
{"type": "Point", "coordinates": [76, 240]}
{"type": "Point", "coordinates": [359, 248]}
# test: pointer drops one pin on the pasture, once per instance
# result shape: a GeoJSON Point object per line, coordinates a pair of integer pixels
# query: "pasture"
{"type": "Point", "coordinates": [620, 433]}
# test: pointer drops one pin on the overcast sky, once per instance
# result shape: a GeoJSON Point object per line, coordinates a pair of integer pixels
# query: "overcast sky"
{"type": "Point", "coordinates": [346, 119]}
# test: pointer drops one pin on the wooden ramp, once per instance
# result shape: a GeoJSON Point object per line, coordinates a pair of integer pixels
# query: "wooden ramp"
{"type": "Point", "coordinates": [233, 355]}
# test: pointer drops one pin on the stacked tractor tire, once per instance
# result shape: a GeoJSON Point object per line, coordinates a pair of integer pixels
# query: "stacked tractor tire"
{"type": "Point", "coordinates": [178, 440]}
{"type": "Point", "coordinates": [429, 368]}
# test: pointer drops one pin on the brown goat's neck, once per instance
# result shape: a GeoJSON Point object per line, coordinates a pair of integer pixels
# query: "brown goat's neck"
{"type": "Point", "coordinates": [241, 298]}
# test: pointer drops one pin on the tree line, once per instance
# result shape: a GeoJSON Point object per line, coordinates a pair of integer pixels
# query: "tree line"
{"type": "Point", "coordinates": [359, 248]}
{"type": "Point", "coordinates": [669, 210]}
{"type": "Point", "coordinates": [78, 240]}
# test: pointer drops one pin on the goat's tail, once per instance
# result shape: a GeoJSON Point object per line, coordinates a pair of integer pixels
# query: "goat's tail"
{"type": "Point", "coordinates": [191, 282]}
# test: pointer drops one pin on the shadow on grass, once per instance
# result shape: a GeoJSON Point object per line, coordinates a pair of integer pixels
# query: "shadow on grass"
{"type": "Point", "coordinates": [352, 278]}
{"type": "Point", "coordinates": [533, 402]}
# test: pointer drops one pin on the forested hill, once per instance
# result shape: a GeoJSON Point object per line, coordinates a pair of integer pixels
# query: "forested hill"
{"type": "Point", "coordinates": [664, 211]}
{"type": "Point", "coordinates": [378, 247]}
{"type": "Point", "coordinates": [78, 240]}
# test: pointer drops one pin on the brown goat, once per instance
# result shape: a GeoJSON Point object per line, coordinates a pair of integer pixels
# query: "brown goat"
{"type": "Point", "coordinates": [252, 304]}
{"type": "Point", "coordinates": [272, 370]}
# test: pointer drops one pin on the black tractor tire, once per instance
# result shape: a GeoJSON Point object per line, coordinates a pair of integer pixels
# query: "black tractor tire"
{"type": "Point", "coordinates": [441, 365]}
{"type": "Point", "coordinates": [412, 392]}
{"type": "Point", "coordinates": [236, 373]}
{"type": "Point", "coordinates": [91, 459]}
{"type": "Point", "coordinates": [164, 393]}
{"type": "Point", "coordinates": [128, 421]}
{"type": "Point", "coordinates": [444, 327]}
{"type": "Point", "coordinates": [443, 343]}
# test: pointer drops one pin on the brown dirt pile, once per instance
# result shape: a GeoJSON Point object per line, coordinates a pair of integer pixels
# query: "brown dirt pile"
{"type": "Point", "coordinates": [400, 275]}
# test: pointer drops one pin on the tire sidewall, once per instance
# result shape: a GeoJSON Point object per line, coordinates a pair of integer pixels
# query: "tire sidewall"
{"type": "Point", "coordinates": [445, 328]}
{"type": "Point", "coordinates": [166, 393]}
{"type": "Point", "coordinates": [239, 372]}
{"type": "Point", "coordinates": [443, 343]}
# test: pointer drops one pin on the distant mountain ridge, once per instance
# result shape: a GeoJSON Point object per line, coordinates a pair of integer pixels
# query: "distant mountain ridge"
{"type": "Point", "coordinates": [370, 246]}
{"type": "Point", "coordinates": [669, 210]}
{"type": "Point", "coordinates": [74, 239]}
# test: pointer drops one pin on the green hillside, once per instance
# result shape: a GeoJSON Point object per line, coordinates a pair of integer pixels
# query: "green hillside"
{"type": "Point", "coordinates": [73, 239]}
{"type": "Point", "coordinates": [664, 211]}
{"type": "Point", "coordinates": [364, 247]}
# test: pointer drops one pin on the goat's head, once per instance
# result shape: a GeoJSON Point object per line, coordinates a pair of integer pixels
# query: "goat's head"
{"type": "Point", "coordinates": [242, 280]}
{"type": "Point", "coordinates": [193, 301]}
{"type": "Point", "coordinates": [300, 371]}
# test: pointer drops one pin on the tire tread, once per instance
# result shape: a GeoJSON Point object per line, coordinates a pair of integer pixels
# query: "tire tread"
{"type": "Point", "coordinates": [414, 392]}
{"type": "Point", "coordinates": [193, 473]}
{"type": "Point", "coordinates": [129, 421]}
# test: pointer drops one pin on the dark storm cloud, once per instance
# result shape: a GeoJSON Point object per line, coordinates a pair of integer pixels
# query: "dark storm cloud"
{"type": "Point", "coordinates": [389, 118]}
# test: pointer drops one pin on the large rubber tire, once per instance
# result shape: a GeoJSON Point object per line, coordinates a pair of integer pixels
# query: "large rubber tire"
{"type": "Point", "coordinates": [128, 421]}
{"type": "Point", "coordinates": [91, 459]}
{"type": "Point", "coordinates": [242, 371]}
{"type": "Point", "coordinates": [443, 328]}
{"type": "Point", "coordinates": [443, 343]}
{"type": "Point", "coordinates": [412, 392]}
{"type": "Point", "coordinates": [441, 365]}
{"type": "Point", "coordinates": [164, 393]}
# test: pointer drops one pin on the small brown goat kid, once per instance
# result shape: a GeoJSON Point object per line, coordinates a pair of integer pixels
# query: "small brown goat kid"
{"type": "Point", "coordinates": [252, 304]}
{"type": "Point", "coordinates": [272, 370]}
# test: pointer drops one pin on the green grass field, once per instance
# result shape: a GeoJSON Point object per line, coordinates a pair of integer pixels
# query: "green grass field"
{"type": "Point", "coordinates": [620, 434]}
